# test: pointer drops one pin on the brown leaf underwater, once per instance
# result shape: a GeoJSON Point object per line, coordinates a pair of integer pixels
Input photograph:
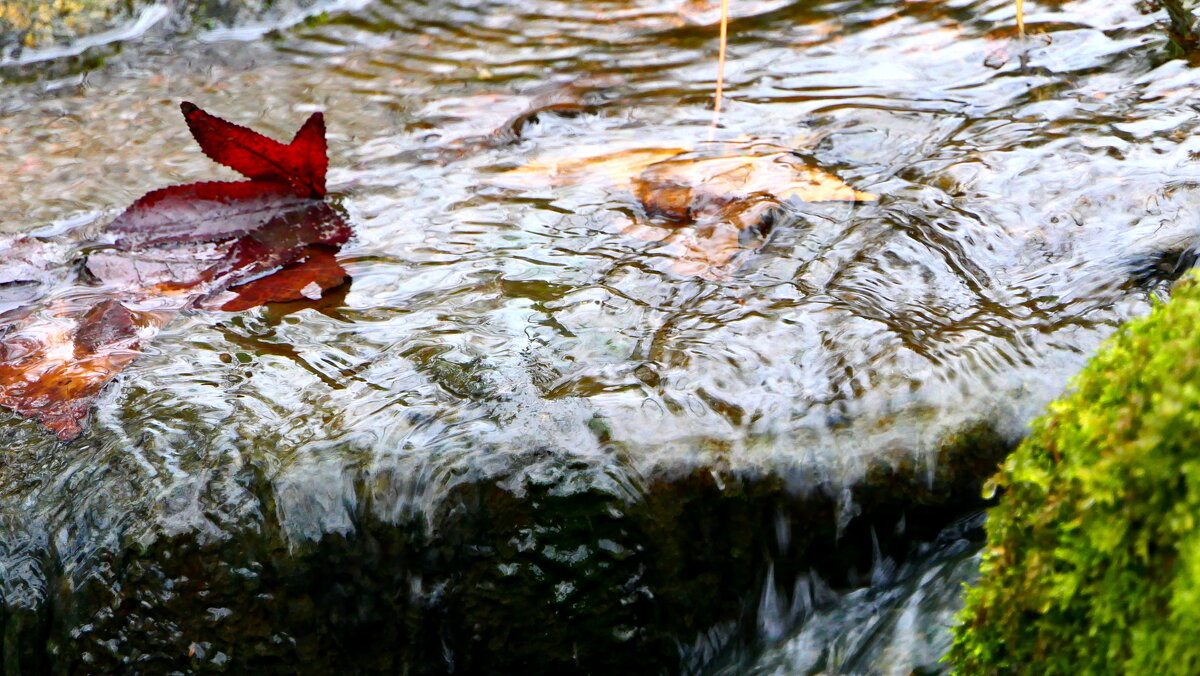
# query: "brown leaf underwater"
{"type": "Point", "coordinates": [310, 275]}
{"type": "Point", "coordinates": [685, 189]}
{"type": "Point", "coordinates": [698, 203]}
{"type": "Point", "coordinates": [616, 170]}
{"type": "Point", "coordinates": [55, 363]}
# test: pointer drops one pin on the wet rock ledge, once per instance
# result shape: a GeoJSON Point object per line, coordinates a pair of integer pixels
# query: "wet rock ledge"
{"type": "Point", "coordinates": [551, 565]}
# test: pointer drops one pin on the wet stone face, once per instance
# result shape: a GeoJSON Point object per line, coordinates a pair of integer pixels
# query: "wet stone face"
{"type": "Point", "coordinates": [539, 431]}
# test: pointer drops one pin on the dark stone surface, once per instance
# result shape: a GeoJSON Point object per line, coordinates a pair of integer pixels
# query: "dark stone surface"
{"type": "Point", "coordinates": [573, 568]}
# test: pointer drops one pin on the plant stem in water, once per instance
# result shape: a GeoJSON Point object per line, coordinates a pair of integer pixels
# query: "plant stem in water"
{"type": "Point", "coordinates": [721, 63]}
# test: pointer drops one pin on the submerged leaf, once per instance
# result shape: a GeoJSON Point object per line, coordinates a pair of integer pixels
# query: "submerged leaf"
{"type": "Point", "coordinates": [713, 248]}
{"type": "Point", "coordinates": [616, 170]}
{"type": "Point", "coordinates": [702, 204]}
{"type": "Point", "coordinates": [202, 212]}
{"type": "Point", "coordinates": [284, 238]}
{"type": "Point", "coordinates": [54, 364]}
{"type": "Point", "coordinates": [107, 323]}
{"type": "Point", "coordinates": [315, 271]}
{"type": "Point", "coordinates": [684, 189]}
{"type": "Point", "coordinates": [675, 182]}
{"type": "Point", "coordinates": [167, 270]}
{"type": "Point", "coordinates": [206, 267]}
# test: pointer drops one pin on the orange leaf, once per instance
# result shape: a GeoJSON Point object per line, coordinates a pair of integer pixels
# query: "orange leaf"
{"type": "Point", "coordinates": [315, 271]}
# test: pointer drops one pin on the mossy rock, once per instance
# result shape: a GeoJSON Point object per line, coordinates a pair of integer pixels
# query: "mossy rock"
{"type": "Point", "coordinates": [1093, 557]}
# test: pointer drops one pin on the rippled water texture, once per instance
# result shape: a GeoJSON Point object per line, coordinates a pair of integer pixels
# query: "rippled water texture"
{"type": "Point", "coordinates": [1032, 197]}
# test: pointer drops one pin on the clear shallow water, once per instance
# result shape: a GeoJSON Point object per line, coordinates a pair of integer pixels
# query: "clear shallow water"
{"type": "Point", "coordinates": [514, 334]}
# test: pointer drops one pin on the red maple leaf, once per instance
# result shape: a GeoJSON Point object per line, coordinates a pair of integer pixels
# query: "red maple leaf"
{"type": "Point", "coordinates": [272, 238]}
{"type": "Point", "coordinates": [300, 164]}
{"type": "Point", "coordinates": [254, 226]}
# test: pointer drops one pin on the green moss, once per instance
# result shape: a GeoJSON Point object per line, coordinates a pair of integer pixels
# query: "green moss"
{"type": "Point", "coordinates": [1093, 557]}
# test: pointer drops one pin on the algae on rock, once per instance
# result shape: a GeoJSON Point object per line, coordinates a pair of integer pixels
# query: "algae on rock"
{"type": "Point", "coordinates": [1093, 558]}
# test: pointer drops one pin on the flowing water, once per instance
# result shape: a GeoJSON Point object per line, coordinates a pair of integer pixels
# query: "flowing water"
{"type": "Point", "coordinates": [522, 439]}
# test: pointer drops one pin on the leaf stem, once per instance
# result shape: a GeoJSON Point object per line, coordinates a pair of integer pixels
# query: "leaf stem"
{"type": "Point", "coordinates": [721, 64]}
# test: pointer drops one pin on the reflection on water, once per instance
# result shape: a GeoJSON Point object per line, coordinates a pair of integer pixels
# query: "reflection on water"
{"type": "Point", "coordinates": [516, 335]}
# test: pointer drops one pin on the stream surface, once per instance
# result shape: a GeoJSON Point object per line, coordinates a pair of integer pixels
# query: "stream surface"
{"type": "Point", "coordinates": [520, 440]}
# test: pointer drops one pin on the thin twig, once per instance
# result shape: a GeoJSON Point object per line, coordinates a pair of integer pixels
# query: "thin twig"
{"type": "Point", "coordinates": [721, 63]}
{"type": "Point", "coordinates": [1021, 18]}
